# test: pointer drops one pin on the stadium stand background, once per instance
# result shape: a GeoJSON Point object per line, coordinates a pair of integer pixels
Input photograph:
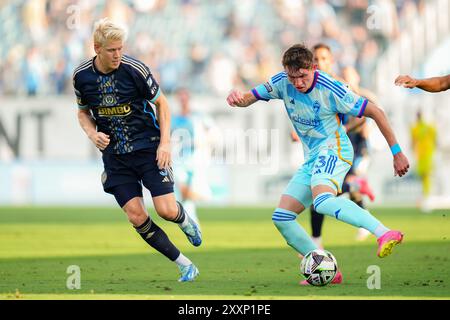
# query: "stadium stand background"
{"type": "Point", "coordinates": [208, 47]}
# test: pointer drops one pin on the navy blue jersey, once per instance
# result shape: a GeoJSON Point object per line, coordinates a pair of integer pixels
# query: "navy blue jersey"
{"type": "Point", "coordinates": [120, 103]}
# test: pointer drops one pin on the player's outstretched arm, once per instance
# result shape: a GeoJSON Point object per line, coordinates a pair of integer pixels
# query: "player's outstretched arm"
{"type": "Point", "coordinates": [435, 84]}
{"type": "Point", "coordinates": [401, 164]}
{"type": "Point", "coordinates": [163, 153]}
{"type": "Point", "coordinates": [99, 139]}
{"type": "Point", "coordinates": [444, 83]}
{"type": "Point", "coordinates": [238, 99]}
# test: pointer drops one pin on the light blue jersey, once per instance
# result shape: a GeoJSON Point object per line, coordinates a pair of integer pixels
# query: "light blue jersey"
{"type": "Point", "coordinates": [316, 116]}
{"type": "Point", "coordinates": [191, 135]}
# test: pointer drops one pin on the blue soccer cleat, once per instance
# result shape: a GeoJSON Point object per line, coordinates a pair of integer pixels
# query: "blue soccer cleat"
{"type": "Point", "coordinates": [193, 233]}
{"type": "Point", "coordinates": [188, 273]}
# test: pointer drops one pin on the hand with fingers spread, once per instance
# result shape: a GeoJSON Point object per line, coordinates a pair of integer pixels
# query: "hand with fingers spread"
{"type": "Point", "coordinates": [163, 155]}
{"type": "Point", "coordinates": [100, 140]}
{"type": "Point", "coordinates": [401, 164]}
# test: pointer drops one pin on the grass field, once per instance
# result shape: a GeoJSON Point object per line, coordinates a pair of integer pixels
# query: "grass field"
{"type": "Point", "coordinates": [243, 257]}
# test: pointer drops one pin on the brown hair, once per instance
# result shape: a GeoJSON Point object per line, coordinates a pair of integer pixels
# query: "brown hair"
{"type": "Point", "coordinates": [321, 45]}
{"type": "Point", "coordinates": [297, 57]}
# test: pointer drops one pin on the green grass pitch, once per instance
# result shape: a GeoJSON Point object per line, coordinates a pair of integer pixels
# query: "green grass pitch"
{"type": "Point", "coordinates": [242, 257]}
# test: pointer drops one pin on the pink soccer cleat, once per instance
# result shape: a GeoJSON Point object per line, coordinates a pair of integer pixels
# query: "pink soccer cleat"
{"type": "Point", "coordinates": [337, 280]}
{"type": "Point", "coordinates": [387, 241]}
{"type": "Point", "coordinates": [364, 188]}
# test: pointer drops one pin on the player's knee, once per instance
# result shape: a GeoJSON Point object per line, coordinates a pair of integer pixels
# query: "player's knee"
{"type": "Point", "coordinates": [136, 215]}
{"type": "Point", "coordinates": [168, 211]}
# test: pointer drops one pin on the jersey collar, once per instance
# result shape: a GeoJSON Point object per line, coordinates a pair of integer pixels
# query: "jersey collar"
{"type": "Point", "coordinates": [316, 74]}
{"type": "Point", "coordinates": [98, 71]}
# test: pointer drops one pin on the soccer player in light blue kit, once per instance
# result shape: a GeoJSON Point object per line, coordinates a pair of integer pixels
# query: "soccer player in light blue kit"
{"type": "Point", "coordinates": [194, 131]}
{"type": "Point", "coordinates": [315, 102]}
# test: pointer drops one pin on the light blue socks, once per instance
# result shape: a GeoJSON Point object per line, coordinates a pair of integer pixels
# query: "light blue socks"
{"type": "Point", "coordinates": [294, 234]}
{"type": "Point", "coordinates": [349, 212]}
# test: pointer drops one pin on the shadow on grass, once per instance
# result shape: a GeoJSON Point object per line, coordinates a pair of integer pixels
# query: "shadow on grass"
{"type": "Point", "coordinates": [414, 270]}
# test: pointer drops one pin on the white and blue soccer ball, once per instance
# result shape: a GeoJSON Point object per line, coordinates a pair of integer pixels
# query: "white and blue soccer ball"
{"type": "Point", "coordinates": [319, 267]}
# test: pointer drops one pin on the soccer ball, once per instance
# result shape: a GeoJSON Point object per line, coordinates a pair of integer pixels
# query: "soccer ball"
{"type": "Point", "coordinates": [319, 267]}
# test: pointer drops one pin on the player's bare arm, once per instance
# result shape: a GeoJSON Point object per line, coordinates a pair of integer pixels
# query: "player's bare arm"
{"type": "Point", "coordinates": [99, 139]}
{"type": "Point", "coordinates": [163, 155]}
{"type": "Point", "coordinates": [238, 99]}
{"type": "Point", "coordinates": [435, 84]}
{"type": "Point", "coordinates": [401, 164]}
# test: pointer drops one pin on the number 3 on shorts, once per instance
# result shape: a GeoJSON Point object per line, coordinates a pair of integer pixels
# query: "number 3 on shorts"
{"type": "Point", "coordinates": [329, 162]}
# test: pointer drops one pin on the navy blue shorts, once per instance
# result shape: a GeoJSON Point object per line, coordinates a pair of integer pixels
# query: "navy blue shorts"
{"type": "Point", "coordinates": [359, 144]}
{"type": "Point", "coordinates": [136, 168]}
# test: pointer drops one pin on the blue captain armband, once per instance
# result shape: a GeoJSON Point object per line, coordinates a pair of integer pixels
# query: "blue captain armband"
{"type": "Point", "coordinates": [395, 149]}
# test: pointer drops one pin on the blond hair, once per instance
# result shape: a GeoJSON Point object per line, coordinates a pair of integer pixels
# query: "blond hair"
{"type": "Point", "coordinates": [106, 30]}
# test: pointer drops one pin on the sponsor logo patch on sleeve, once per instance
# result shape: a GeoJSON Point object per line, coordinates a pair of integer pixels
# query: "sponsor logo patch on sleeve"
{"type": "Point", "coordinates": [268, 87]}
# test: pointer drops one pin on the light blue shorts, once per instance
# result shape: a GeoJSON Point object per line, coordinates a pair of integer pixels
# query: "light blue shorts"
{"type": "Point", "coordinates": [329, 168]}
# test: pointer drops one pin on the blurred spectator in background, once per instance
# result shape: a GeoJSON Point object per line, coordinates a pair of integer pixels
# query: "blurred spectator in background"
{"type": "Point", "coordinates": [33, 71]}
{"type": "Point", "coordinates": [216, 44]}
{"type": "Point", "coordinates": [192, 134]}
{"type": "Point", "coordinates": [358, 130]}
{"type": "Point", "coordinates": [35, 19]}
{"type": "Point", "coordinates": [325, 60]}
{"type": "Point", "coordinates": [384, 22]}
{"type": "Point", "coordinates": [222, 74]}
{"type": "Point", "coordinates": [423, 137]}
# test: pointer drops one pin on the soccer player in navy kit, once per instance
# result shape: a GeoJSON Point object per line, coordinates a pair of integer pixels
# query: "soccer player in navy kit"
{"type": "Point", "coordinates": [125, 114]}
